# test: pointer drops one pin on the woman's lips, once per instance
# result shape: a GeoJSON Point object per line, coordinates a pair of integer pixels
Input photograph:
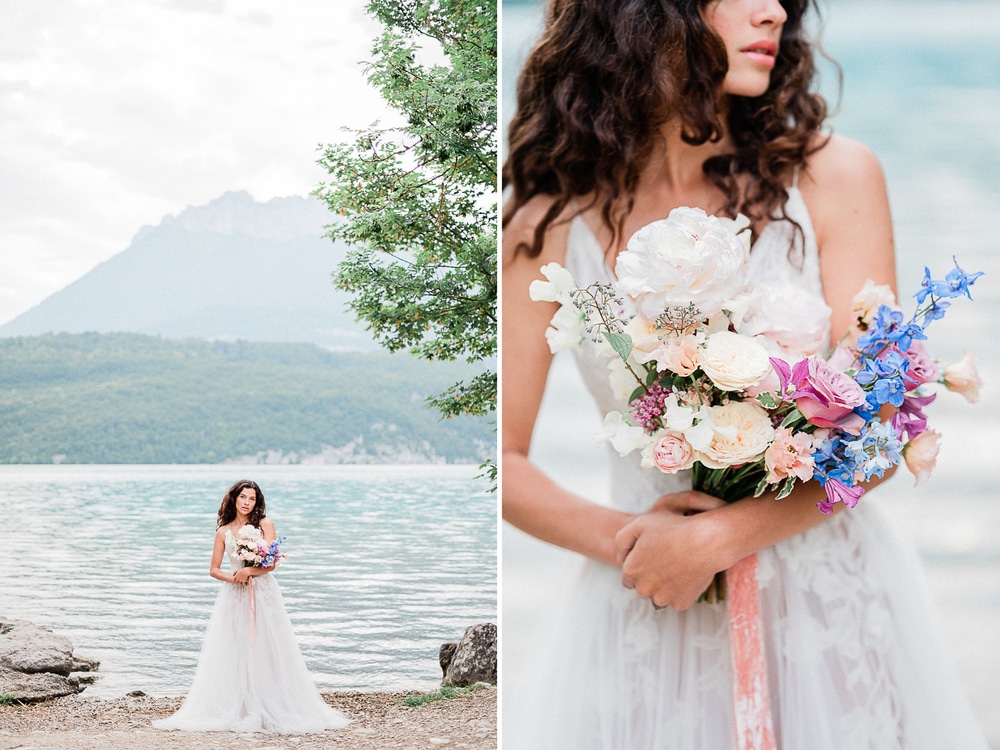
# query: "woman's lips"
{"type": "Point", "coordinates": [762, 52]}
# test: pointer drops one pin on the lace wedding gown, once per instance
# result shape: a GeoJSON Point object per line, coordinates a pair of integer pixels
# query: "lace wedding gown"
{"type": "Point", "coordinates": [252, 678]}
{"type": "Point", "coordinates": [852, 660]}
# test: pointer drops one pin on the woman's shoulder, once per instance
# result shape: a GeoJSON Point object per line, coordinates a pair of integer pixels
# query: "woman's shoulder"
{"type": "Point", "coordinates": [842, 178]}
{"type": "Point", "coordinates": [266, 524]}
{"type": "Point", "coordinates": [519, 231]}
{"type": "Point", "coordinates": [840, 164]}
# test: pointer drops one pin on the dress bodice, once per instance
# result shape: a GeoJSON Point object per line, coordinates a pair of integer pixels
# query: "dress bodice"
{"type": "Point", "coordinates": [234, 563]}
{"type": "Point", "coordinates": [781, 253]}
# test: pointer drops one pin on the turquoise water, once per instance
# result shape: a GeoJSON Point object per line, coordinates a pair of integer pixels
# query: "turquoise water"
{"type": "Point", "coordinates": [385, 564]}
{"type": "Point", "coordinates": [922, 90]}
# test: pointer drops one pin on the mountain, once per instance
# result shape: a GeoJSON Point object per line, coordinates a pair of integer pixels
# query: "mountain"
{"type": "Point", "coordinates": [232, 269]}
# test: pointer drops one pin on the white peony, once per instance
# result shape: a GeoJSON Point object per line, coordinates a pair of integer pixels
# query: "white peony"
{"type": "Point", "coordinates": [793, 322]}
{"type": "Point", "coordinates": [734, 362]}
{"type": "Point", "coordinates": [687, 258]}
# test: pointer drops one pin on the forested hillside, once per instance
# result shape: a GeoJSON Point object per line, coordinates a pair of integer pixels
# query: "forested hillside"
{"type": "Point", "coordinates": [130, 398]}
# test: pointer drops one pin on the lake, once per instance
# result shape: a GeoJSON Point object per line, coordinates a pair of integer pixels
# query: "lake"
{"type": "Point", "coordinates": [385, 563]}
{"type": "Point", "coordinates": [921, 87]}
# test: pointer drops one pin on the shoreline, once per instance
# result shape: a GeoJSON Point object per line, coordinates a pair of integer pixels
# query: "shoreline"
{"type": "Point", "coordinates": [378, 721]}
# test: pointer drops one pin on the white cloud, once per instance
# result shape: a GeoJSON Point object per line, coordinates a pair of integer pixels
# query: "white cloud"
{"type": "Point", "coordinates": [114, 113]}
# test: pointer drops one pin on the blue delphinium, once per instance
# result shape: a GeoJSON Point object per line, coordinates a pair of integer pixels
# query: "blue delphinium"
{"type": "Point", "coordinates": [876, 449]}
{"type": "Point", "coordinates": [955, 283]}
{"type": "Point", "coordinates": [886, 376]}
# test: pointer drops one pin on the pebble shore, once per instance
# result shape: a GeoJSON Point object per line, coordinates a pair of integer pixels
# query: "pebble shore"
{"type": "Point", "coordinates": [379, 722]}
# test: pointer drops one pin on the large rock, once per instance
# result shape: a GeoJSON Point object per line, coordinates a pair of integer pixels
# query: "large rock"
{"type": "Point", "coordinates": [473, 659]}
{"type": "Point", "coordinates": [27, 647]}
{"type": "Point", "coordinates": [36, 664]}
{"type": "Point", "coordinates": [39, 686]}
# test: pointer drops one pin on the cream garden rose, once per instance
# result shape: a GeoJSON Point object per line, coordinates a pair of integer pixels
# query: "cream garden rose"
{"type": "Point", "coordinates": [731, 434]}
{"type": "Point", "coordinates": [688, 258]}
{"type": "Point", "coordinates": [734, 362]}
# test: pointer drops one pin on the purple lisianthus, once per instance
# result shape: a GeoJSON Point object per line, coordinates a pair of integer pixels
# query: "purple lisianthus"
{"type": "Point", "coordinates": [910, 419]}
{"type": "Point", "coordinates": [838, 492]}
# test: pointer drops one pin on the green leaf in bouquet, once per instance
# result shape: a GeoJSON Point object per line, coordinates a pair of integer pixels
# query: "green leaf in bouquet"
{"type": "Point", "coordinates": [791, 418]}
{"type": "Point", "coordinates": [767, 400]}
{"type": "Point", "coordinates": [620, 342]}
{"type": "Point", "coordinates": [786, 488]}
{"type": "Point", "coordinates": [640, 391]}
{"type": "Point", "coordinates": [651, 375]}
{"type": "Point", "coordinates": [761, 487]}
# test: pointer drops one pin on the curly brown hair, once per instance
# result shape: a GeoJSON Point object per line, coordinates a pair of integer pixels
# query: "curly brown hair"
{"type": "Point", "coordinates": [589, 108]}
{"type": "Point", "coordinates": [227, 511]}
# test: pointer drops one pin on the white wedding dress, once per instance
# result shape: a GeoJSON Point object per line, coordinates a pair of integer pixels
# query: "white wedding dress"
{"type": "Point", "coordinates": [252, 678]}
{"type": "Point", "coordinates": [853, 662]}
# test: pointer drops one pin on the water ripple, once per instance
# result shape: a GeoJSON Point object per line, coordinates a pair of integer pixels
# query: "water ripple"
{"type": "Point", "coordinates": [385, 564]}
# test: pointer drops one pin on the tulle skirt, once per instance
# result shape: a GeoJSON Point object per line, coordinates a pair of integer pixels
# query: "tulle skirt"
{"type": "Point", "coordinates": [252, 677]}
{"type": "Point", "coordinates": [853, 656]}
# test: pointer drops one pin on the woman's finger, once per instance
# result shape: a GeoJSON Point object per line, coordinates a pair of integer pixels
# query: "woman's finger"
{"type": "Point", "coordinates": [625, 540]}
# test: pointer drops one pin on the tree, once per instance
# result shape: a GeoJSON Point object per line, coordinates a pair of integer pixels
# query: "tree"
{"type": "Point", "coordinates": [418, 202]}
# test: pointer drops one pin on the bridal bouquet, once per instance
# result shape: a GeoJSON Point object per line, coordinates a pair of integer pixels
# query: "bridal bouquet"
{"type": "Point", "coordinates": [726, 378]}
{"type": "Point", "coordinates": [256, 552]}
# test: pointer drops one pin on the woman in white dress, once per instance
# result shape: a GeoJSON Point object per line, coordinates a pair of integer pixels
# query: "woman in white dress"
{"type": "Point", "coordinates": [251, 676]}
{"type": "Point", "coordinates": [627, 109]}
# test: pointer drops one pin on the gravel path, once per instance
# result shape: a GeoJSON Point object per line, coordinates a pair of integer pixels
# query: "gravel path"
{"type": "Point", "coordinates": [379, 722]}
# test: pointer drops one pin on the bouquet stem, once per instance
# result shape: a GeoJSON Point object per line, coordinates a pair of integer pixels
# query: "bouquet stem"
{"type": "Point", "coordinates": [729, 484]}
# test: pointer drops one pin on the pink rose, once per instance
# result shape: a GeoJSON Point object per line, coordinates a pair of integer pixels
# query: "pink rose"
{"type": "Point", "coordinates": [672, 453]}
{"type": "Point", "coordinates": [921, 455]}
{"type": "Point", "coordinates": [826, 397]}
{"type": "Point", "coordinates": [922, 368]}
{"type": "Point", "coordinates": [789, 455]}
{"type": "Point", "coordinates": [962, 377]}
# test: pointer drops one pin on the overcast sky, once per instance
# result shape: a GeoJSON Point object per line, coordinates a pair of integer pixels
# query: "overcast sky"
{"type": "Point", "coordinates": [115, 113]}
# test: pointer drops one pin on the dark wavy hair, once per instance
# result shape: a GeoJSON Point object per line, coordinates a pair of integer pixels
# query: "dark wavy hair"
{"type": "Point", "coordinates": [227, 511]}
{"type": "Point", "coordinates": [590, 104]}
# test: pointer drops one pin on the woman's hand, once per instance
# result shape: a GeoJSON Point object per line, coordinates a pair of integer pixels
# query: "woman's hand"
{"type": "Point", "coordinates": [241, 576]}
{"type": "Point", "coordinates": [671, 552]}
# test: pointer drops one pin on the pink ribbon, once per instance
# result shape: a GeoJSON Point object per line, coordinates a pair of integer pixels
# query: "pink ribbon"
{"type": "Point", "coordinates": [752, 707]}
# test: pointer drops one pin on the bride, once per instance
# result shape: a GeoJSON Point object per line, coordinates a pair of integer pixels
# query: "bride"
{"type": "Point", "coordinates": [627, 109]}
{"type": "Point", "coordinates": [251, 676]}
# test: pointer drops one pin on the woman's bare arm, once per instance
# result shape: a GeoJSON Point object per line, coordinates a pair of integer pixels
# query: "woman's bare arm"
{"type": "Point", "coordinates": [532, 501]}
